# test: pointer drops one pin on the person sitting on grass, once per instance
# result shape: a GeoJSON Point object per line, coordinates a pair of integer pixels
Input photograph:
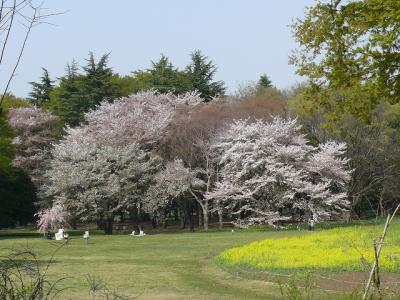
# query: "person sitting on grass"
{"type": "Point", "coordinates": [138, 231]}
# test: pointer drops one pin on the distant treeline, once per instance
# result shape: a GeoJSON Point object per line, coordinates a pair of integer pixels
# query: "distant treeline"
{"type": "Point", "coordinates": [81, 90]}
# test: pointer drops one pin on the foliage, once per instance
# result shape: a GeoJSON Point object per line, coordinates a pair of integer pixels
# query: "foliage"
{"type": "Point", "coordinates": [190, 132]}
{"type": "Point", "coordinates": [375, 159]}
{"type": "Point", "coordinates": [299, 288]}
{"type": "Point", "coordinates": [141, 118]}
{"type": "Point", "coordinates": [165, 78]}
{"type": "Point", "coordinates": [171, 183]}
{"type": "Point", "coordinates": [373, 150]}
{"type": "Point", "coordinates": [16, 190]}
{"type": "Point", "coordinates": [262, 88]}
{"type": "Point", "coordinates": [200, 73]}
{"type": "Point", "coordinates": [102, 168]}
{"type": "Point", "coordinates": [96, 182]}
{"type": "Point", "coordinates": [269, 171]}
{"type": "Point", "coordinates": [99, 290]}
{"type": "Point", "coordinates": [340, 249]}
{"type": "Point", "coordinates": [6, 133]}
{"type": "Point", "coordinates": [264, 81]}
{"type": "Point", "coordinates": [191, 137]}
{"type": "Point", "coordinates": [18, 196]}
{"type": "Point", "coordinates": [78, 93]}
{"type": "Point", "coordinates": [98, 84]}
{"type": "Point", "coordinates": [350, 51]}
{"type": "Point", "coordinates": [35, 131]}
{"type": "Point", "coordinates": [40, 94]}
{"type": "Point", "coordinates": [51, 218]}
{"type": "Point", "coordinates": [23, 277]}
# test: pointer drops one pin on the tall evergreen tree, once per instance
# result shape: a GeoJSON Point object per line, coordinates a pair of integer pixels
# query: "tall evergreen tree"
{"type": "Point", "coordinates": [98, 83]}
{"type": "Point", "coordinates": [67, 99]}
{"type": "Point", "coordinates": [264, 81]}
{"type": "Point", "coordinates": [40, 94]}
{"type": "Point", "coordinates": [164, 77]}
{"type": "Point", "coordinates": [201, 72]}
{"type": "Point", "coordinates": [78, 93]}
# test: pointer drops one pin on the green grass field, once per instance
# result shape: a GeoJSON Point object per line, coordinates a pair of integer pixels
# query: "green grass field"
{"type": "Point", "coordinates": [183, 265]}
{"type": "Point", "coordinates": [163, 266]}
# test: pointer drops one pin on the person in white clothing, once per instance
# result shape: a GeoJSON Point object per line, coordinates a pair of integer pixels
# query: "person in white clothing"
{"type": "Point", "coordinates": [86, 236]}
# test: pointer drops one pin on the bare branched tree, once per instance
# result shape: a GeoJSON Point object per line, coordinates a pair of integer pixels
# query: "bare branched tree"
{"type": "Point", "coordinates": [15, 14]}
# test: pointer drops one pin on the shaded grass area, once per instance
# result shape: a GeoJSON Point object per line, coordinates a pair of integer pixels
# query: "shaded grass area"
{"type": "Point", "coordinates": [164, 266]}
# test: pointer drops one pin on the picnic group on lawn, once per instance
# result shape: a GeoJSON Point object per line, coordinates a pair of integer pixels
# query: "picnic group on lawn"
{"type": "Point", "coordinates": [62, 235]}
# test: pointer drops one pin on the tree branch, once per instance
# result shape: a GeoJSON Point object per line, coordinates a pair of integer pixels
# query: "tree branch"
{"type": "Point", "coordinates": [19, 57]}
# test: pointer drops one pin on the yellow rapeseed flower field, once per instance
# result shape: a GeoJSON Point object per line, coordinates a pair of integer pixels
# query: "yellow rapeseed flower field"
{"type": "Point", "coordinates": [340, 249]}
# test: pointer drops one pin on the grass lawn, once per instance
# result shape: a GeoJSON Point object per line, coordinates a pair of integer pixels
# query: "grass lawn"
{"type": "Point", "coordinates": [163, 266]}
{"type": "Point", "coordinates": [203, 265]}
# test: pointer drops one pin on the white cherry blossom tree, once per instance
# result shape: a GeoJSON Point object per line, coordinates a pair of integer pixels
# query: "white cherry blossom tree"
{"type": "Point", "coordinates": [172, 182]}
{"type": "Point", "coordinates": [97, 182]}
{"type": "Point", "coordinates": [102, 168]}
{"type": "Point", "coordinates": [269, 170]}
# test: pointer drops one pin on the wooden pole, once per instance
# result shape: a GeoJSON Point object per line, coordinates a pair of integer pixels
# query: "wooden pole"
{"type": "Point", "coordinates": [377, 280]}
{"type": "Point", "coordinates": [378, 252]}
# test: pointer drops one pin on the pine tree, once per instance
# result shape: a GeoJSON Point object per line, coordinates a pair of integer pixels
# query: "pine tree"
{"type": "Point", "coordinates": [264, 81]}
{"type": "Point", "coordinates": [201, 72]}
{"type": "Point", "coordinates": [98, 81]}
{"type": "Point", "coordinates": [40, 94]}
{"type": "Point", "coordinates": [166, 78]}
{"type": "Point", "coordinates": [79, 93]}
{"type": "Point", "coordinates": [67, 99]}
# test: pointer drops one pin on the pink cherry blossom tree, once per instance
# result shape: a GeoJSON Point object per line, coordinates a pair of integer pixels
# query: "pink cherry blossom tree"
{"type": "Point", "coordinates": [35, 131]}
{"type": "Point", "coordinates": [51, 218]}
{"type": "Point", "coordinates": [141, 118]}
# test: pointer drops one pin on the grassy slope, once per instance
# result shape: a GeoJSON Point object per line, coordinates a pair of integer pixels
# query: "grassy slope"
{"type": "Point", "coordinates": [165, 266]}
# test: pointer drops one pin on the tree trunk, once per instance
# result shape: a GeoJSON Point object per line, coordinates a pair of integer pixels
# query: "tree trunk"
{"type": "Point", "coordinates": [205, 215]}
{"type": "Point", "coordinates": [199, 213]}
{"type": "Point", "coordinates": [182, 219]}
{"type": "Point", "coordinates": [176, 214]}
{"type": "Point", "coordinates": [165, 222]}
{"type": "Point", "coordinates": [108, 228]}
{"type": "Point", "coordinates": [74, 223]}
{"type": "Point", "coordinates": [154, 222]}
{"type": "Point", "coordinates": [381, 207]}
{"type": "Point", "coordinates": [100, 224]}
{"type": "Point", "coordinates": [220, 221]}
{"type": "Point", "coordinates": [191, 219]}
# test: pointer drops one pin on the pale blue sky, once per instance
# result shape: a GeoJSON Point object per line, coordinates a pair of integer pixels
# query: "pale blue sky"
{"type": "Point", "coordinates": [245, 38]}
